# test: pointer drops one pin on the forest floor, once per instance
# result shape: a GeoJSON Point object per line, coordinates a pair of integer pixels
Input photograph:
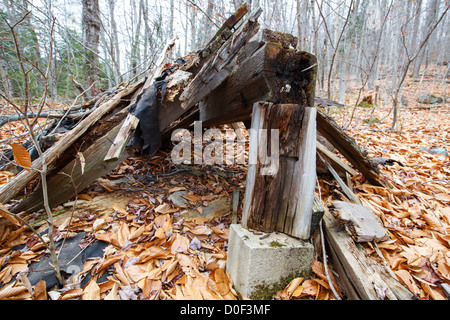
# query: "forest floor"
{"type": "Point", "coordinates": [167, 226]}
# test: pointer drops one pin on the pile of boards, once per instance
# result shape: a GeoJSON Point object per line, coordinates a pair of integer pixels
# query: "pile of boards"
{"type": "Point", "coordinates": [219, 84]}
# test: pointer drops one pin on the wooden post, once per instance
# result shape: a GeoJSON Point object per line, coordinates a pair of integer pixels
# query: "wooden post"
{"type": "Point", "coordinates": [281, 181]}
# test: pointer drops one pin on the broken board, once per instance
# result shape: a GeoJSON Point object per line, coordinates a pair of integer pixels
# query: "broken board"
{"type": "Point", "coordinates": [362, 277]}
{"type": "Point", "coordinates": [359, 221]}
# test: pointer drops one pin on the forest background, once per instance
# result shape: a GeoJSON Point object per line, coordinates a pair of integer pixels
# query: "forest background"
{"type": "Point", "coordinates": [366, 45]}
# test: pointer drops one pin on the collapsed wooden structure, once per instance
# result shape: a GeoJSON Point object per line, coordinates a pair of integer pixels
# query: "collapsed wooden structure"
{"type": "Point", "coordinates": [242, 74]}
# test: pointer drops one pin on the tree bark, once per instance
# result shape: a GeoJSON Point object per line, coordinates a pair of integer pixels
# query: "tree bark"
{"type": "Point", "coordinates": [91, 39]}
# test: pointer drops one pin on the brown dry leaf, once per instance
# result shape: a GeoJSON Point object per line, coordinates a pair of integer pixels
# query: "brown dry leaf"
{"type": "Point", "coordinates": [85, 196]}
{"type": "Point", "coordinates": [192, 197]}
{"type": "Point", "coordinates": [310, 288]}
{"type": "Point", "coordinates": [109, 261]}
{"type": "Point", "coordinates": [6, 274]}
{"type": "Point", "coordinates": [297, 292]}
{"type": "Point", "coordinates": [40, 291]}
{"type": "Point", "coordinates": [408, 280]}
{"type": "Point", "coordinates": [119, 209]}
{"type": "Point", "coordinates": [21, 156]}
{"type": "Point", "coordinates": [165, 209]}
{"type": "Point", "coordinates": [136, 273]}
{"type": "Point", "coordinates": [71, 294]}
{"type": "Point", "coordinates": [123, 234]}
{"type": "Point", "coordinates": [221, 281]}
{"type": "Point", "coordinates": [433, 293]}
{"type": "Point", "coordinates": [4, 212]}
{"type": "Point", "coordinates": [112, 295]}
{"type": "Point", "coordinates": [110, 237]}
{"type": "Point", "coordinates": [201, 230]}
{"type": "Point", "coordinates": [9, 291]}
{"type": "Point", "coordinates": [91, 291]}
{"type": "Point", "coordinates": [293, 285]}
{"type": "Point", "coordinates": [153, 253]}
{"type": "Point", "coordinates": [151, 288]}
{"type": "Point", "coordinates": [161, 219]}
{"type": "Point", "coordinates": [137, 232]}
{"type": "Point", "coordinates": [319, 269]}
{"type": "Point", "coordinates": [160, 234]}
{"type": "Point", "coordinates": [181, 244]}
{"type": "Point", "coordinates": [177, 189]}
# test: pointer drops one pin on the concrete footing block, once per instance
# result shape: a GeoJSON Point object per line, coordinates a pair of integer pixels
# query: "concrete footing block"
{"type": "Point", "coordinates": [260, 266]}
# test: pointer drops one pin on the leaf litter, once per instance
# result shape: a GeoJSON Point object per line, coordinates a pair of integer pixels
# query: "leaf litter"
{"type": "Point", "coordinates": [158, 250]}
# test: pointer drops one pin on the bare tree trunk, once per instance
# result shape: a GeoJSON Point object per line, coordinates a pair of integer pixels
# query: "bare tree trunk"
{"type": "Point", "coordinates": [114, 52]}
{"type": "Point", "coordinates": [336, 47]}
{"type": "Point", "coordinates": [299, 25]}
{"type": "Point", "coordinates": [135, 45]}
{"type": "Point", "coordinates": [408, 63]}
{"type": "Point", "coordinates": [91, 39]}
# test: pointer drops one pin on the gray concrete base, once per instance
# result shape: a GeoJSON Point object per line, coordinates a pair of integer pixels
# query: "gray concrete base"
{"type": "Point", "coordinates": [261, 267]}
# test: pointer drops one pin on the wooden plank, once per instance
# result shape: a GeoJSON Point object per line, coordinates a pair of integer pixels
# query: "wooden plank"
{"type": "Point", "coordinates": [279, 196]}
{"type": "Point", "coordinates": [349, 193]}
{"type": "Point", "coordinates": [359, 274]}
{"type": "Point", "coordinates": [334, 160]}
{"type": "Point", "coordinates": [359, 221]}
{"type": "Point", "coordinates": [349, 149]}
{"type": "Point", "coordinates": [121, 140]}
{"type": "Point", "coordinates": [218, 68]}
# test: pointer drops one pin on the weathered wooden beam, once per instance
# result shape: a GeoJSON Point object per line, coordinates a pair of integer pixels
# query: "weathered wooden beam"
{"type": "Point", "coordinates": [360, 275]}
{"type": "Point", "coordinates": [359, 221]}
{"type": "Point", "coordinates": [279, 196]}
{"type": "Point", "coordinates": [72, 178]}
{"type": "Point", "coordinates": [53, 156]}
{"type": "Point", "coordinates": [121, 140]}
{"type": "Point", "coordinates": [218, 67]}
{"type": "Point", "coordinates": [349, 149]}
{"type": "Point", "coordinates": [337, 163]}
{"type": "Point", "coordinates": [269, 72]}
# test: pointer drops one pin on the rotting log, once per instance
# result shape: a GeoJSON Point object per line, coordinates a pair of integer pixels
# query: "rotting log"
{"type": "Point", "coordinates": [280, 186]}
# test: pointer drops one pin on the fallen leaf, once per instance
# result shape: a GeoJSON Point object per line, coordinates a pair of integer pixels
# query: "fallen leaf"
{"type": "Point", "coordinates": [4, 212]}
{"type": "Point", "coordinates": [91, 291]}
{"type": "Point", "coordinates": [21, 156]}
{"type": "Point", "coordinates": [407, 279]}
{"type": "Point", "coordinates": [221, 280]}
{"type": "Point", "coordinates": [181, 244]}
{"type": "Point", "coordinates": [192, 197]}
{"type": "Point", "coordinates": [40, 291]}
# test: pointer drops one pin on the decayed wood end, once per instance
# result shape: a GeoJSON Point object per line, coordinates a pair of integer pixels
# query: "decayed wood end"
{"type": "Point", "coordinates": [280, 192]}
{"type": "Point", "coordinates": [121, 140]}
{"type": "Point", "coordinates": [360, 275]}
{"type": "Point", "coordinates": [359, 221]}
{"type": "Point", "coordinates": [266, 72]}
{"type": "Point", "coordinates": [219, 66]}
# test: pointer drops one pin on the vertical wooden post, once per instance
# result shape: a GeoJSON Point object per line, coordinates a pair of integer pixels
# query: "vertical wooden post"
{"type": "Point", "coordinates": [281, 180]}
